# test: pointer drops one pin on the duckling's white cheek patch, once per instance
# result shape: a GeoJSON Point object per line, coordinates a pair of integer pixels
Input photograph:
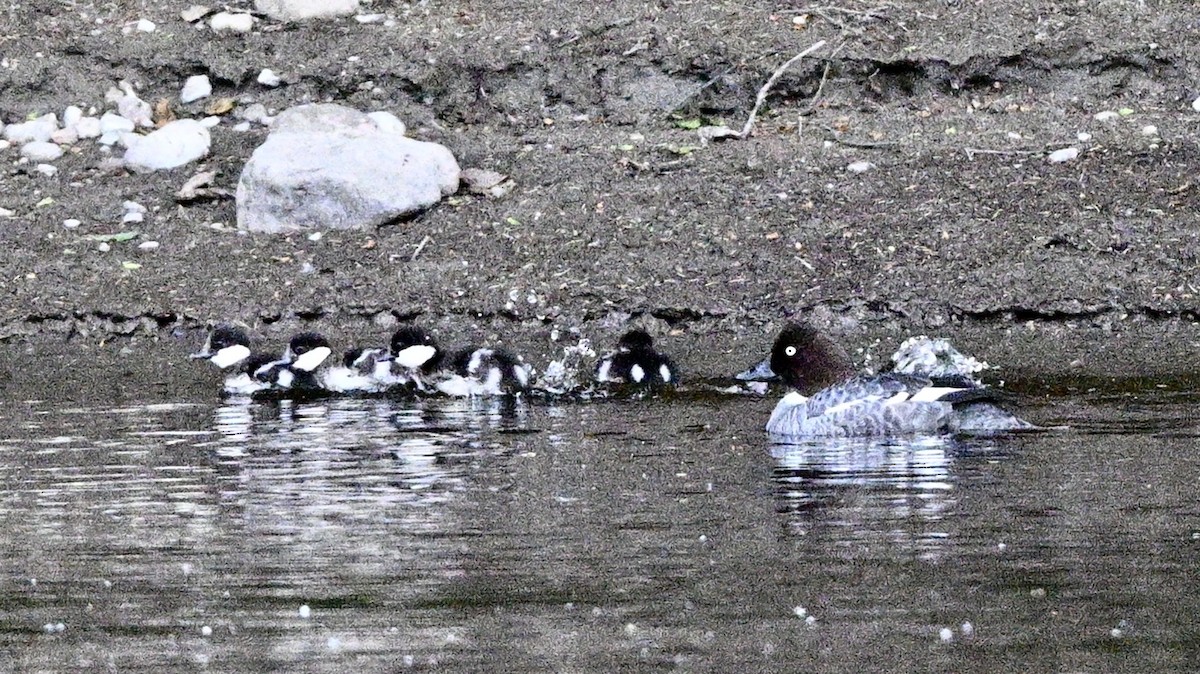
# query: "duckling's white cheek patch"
{"type": "Point", "coordinates": [637, 374]}
{"type": "Point", "coordinates": [230, 355]}
{"type": "Point", "coordinates": [415, 356]}
{"type": "Point", "coordinates": [311, 360]}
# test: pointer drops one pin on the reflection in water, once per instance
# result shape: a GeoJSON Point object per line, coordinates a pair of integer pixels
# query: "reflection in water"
{"type": "Point", "coordinates": [864, 492]}
{"type": "Point", "coordinates": [494, 535]}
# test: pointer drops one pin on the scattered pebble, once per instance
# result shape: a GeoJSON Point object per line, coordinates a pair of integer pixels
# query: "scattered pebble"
{"type": "Point", "coordinates": [7, 213]}
{"type": "Point", "coordinates": [144, 26]}
{"type": "Point", "coordinates": [1196, 105]}
{"type": "Point", "coordinates": [369, 18]}
{"type": "Point", "coordinates": [946, 634]}
{"type": "Point", "coordinates": [305, 611]}
{"type": "Point", "coordinates": [71, 223]}
{"type": "Point", "coordinates": [103, 247]}
{"type": "Point", "coordinates": [1083, 136]}
{"type": "Point", "coordinates": [268, 78]}
{"type": "Point", "coordinates": [800, 611]}
{"type": "Point", "coordinates": [206, 631]}
{"type": "Point", "coordinates": [241, 127]}
{"type": "Point", "coordinates": [860, 167]}
{"type": "Point", "coordinates": [1149, 130]}
{"type": "Point", "coordinates": [148, 245]}
{"type": "Point", "coordinates": [231, 23]}
{"type": "Point", "coordinates": [1105, 115]}
{"type": "Point", "coordinates": [967, 629]}
{"type": "Point", "coordinates": [41, 151]}
{"type": "Point", "coordinates": [54, 628]}
{"type": "Point", "coordinates": [1037, 592]}
{"type": "Point", "coordinates": [35, 130]}
{"type": "Point", "coordinates": [810, 620]}
{"type": "Point", "coordinates": [71, 116]}
{"type": "Point", "coordinates": [195, 88]}
{"type": "Point", "coordinates": [1063, 155]}
{"type": "Point", "coordinates": [65, 136]}
{"type": "Point", "coordinates": [48, 170]}
{"type": "Point", "coordinates": [255, 112]}
{"type": "Point", "coordinates": [194, 13]}
{"type": "Point", "coordinates": [173, 145]}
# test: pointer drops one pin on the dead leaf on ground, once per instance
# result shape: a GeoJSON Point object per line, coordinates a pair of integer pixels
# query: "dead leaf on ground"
{"type": "Point", "coordinates": [220, 106]}
{"type": "Point", "coordinates": [163, 114]}
{"type": "Point", "coordinates": [200, 187]}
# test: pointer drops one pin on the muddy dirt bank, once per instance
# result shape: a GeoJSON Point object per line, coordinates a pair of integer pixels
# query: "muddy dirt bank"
{"type": "Point", "coordinates": [960, 227]}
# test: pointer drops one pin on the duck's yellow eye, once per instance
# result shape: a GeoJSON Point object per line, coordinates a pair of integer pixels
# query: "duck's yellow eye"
{"type": "Point", "coordinates": [791, 350]}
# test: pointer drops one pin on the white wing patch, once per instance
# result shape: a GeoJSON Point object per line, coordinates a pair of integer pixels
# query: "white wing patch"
{"type": "Point", "coordinates": [932, 393]}
{"type": "Point", "coordinates": [230, 355]}
{"type": "Point", "coordinates": [637, 374]}
{"type": "Point", "coordinates": [602, 372]}
{"type": "Point", "coordinates": [665, 373]}
{"type": "Point", "coordinates": [311, 360]}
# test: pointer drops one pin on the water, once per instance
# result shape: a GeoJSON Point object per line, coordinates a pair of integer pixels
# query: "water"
{"type": "Point", "coordinates": [376, 536]}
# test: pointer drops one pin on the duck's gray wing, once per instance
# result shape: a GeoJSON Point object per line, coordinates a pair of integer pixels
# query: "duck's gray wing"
{"type": "Point", "coordinates": [864, 388]}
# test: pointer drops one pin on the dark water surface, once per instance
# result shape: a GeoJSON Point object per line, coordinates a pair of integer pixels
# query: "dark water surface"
{"type": "Point", "coordinates": [377, 535]}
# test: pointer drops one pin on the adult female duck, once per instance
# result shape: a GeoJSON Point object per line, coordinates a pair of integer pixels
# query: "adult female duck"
{"type": "Point", "coordinates": [843, 403]}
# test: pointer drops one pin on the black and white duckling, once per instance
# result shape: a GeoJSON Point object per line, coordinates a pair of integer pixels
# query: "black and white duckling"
{"type": "Point", "coordinates": [362, 371]}
{"type": "Point", "coordinates": [300, 367]}
{"type": "Point", "coordinates": [415, 359]}
{"type": "Point", "coordinates": [636, 362]}
{"type": "Point", "coordinates": [228, 347]}
{"type": "Point", "coordinates": [830, 399]}
{"type": "Point", "coordinates": [419, 362]}
{"type": "Point", "coordinates": [485, 371]}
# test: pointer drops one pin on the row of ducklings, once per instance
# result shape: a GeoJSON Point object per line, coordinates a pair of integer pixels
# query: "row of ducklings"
{"type": "Point", "coordinates": [412, 362]}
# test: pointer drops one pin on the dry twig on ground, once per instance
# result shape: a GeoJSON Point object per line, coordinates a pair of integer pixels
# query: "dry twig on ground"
{"type": "Point", "coordinates": [766, 88]}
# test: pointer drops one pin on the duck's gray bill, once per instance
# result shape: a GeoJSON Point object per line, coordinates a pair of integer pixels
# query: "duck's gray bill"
{"type": "Point", "coordinates": [760, 372]}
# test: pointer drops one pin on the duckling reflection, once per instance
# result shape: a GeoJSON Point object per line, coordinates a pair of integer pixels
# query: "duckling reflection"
{"type": "Point", "coordinates": [867, 492]}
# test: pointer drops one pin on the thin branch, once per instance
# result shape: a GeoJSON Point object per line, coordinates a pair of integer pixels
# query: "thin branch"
{"type": "Point", "coordinates": [766, 88]}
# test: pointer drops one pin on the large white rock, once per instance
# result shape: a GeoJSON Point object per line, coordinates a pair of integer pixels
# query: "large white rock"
{"type": "Point", "coordinates": [331, 167]}
{"type": "Point", "coordinates": [35, 130]}
{"type": "Point", "coordinates": [299, 10]}
{"type": "Point", "coordinates": [175, 144]}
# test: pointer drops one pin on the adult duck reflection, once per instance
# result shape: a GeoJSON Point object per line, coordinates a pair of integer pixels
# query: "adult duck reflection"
{"type": "Point", "coordinates": [869, 494]}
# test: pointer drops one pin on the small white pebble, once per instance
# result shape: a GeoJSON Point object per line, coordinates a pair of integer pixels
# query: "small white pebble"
{"type": "Point", "coordinates": [967, 629]}
{"type": "Point", "coordinates": [810, 620]}
{"type": "Point", "coordinates": [145, 26]}
{"type": "Point", "coordinates": [333, 644]}
{"type": "Point", "coordinates": [1013, 135]}
{"type": "Point", "coordinates": [1083, 136]}
{"type": "Point", "coordinates": [800, 611]}
{"type": "Point", "coordinates": [104, 248]}
{"type": "Point", "coordinates": [206, 631]}
{"type": "Point", "coordinates": [408, 660]}
{"type": "Point", "coordinates": [1037, 592]}
{"type": "Point", "coordinates": [241, 127]}
{"type": "Point", "coordinates": [48, 170]}
{"type": "Point", "coordinates": [305, 611]}
{"type": "Point", "coordinates": [71, 223]}
{"type": "Point", "coordinates": [268, 78]}
{"type": "Point", "coordinates": [946, 634]}
{"type": "Point", "coordinates": [107, 583]}
{"type": "Point", "coordinates": [631, 629]}
{"type": "Point", "coordinates": [1063, 155]}
{"type": "Point", "coordinates": [860, 167]}
{"type": "Point", "coordinates": [1116, 633]}
{"type": "Point", "coordinates": [148, 245]}
{"type": "Point", "coordinates": [1105, 115]}
{"type": "Point", "coordinates": [1149, 130]}
{"type": "Point", "coordinates": [233, 23]}
{"type": "Point", "coordinates": [133, 216]}
{"type": "Point", "coordinates": [60, 628]}
{"type": "Point", "coordinates": [1002, 546]}
{"type": "Point", "coordinates": [48, 628]}
{"type": "Point", "coordinates": [315, 236]}
{"type": "Point", "coordinates": [703, 538]}
{"type": "Point", "coordinates": [186, 568]}
{"type": "Point", "coordinates": [133, 207]}
{"type": "Point", "coordinates": [1196, 105]}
